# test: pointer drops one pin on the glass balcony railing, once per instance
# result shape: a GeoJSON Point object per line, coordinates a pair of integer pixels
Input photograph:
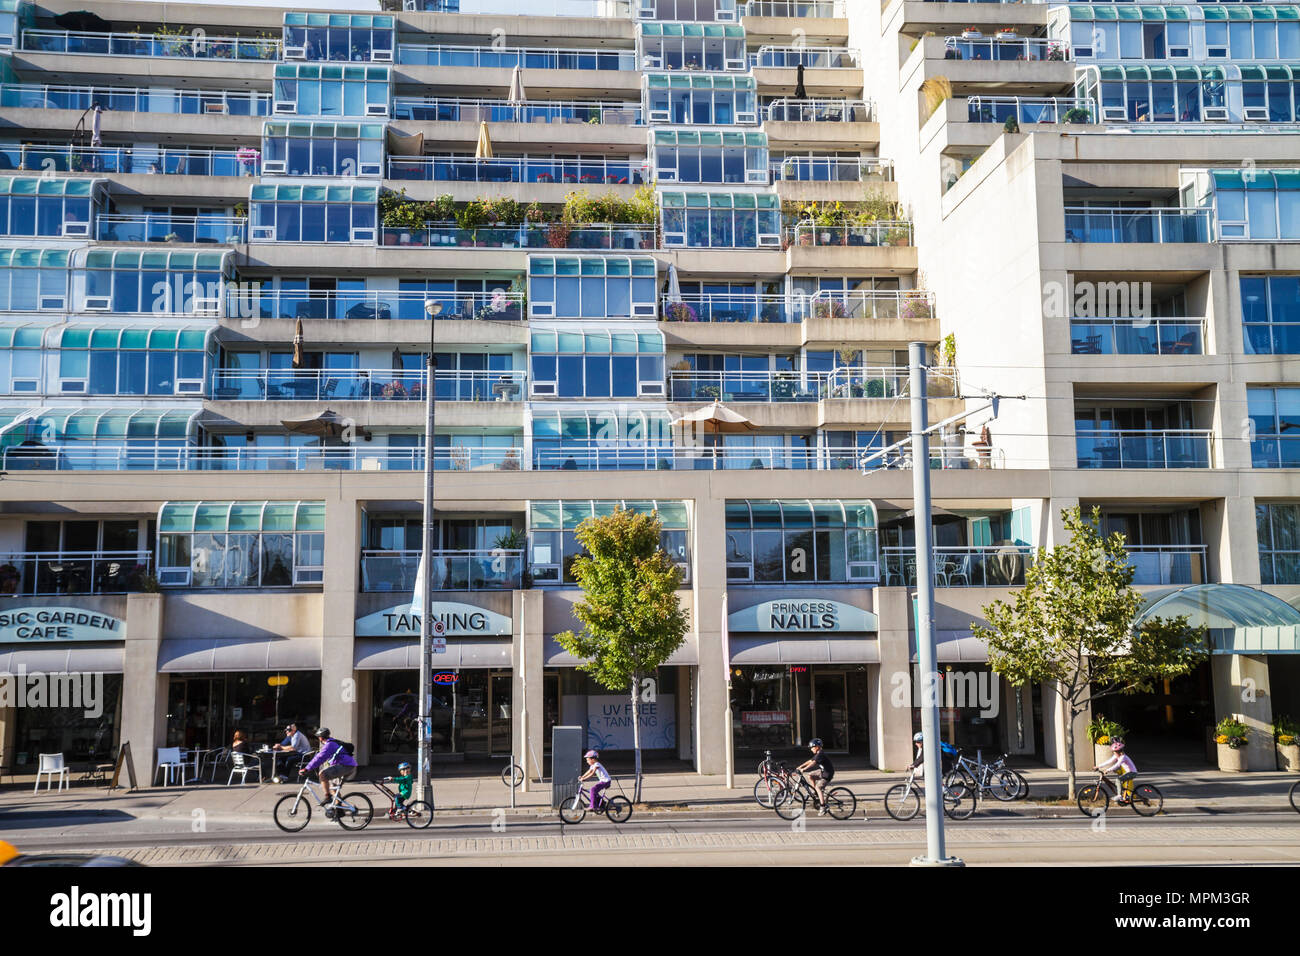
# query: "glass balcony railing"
{"type": "Point", "coordinates": [1167, 563]}
{"type": "Point", "coordinates": [994, 48]}
{"type": "Point", "coordinates": [484, 570]}
{"type": "Point", "coordinates": [818, 110]}
{"type": "Point", "coordinates": [1031, 109]}
{"type": "Point", "coordinates": [848, 382]}
{"type": "Point", "coordinates": [467, 169]}
{"type": "Point", "coordinates": [148, 227]}
{"type": "Point", "coordinates": [831, 169]}
{"type": "Point", "coordinates": [594, 456]}
{"type": "Point", "coordinates": [531, 236]}
{"type": "Point", "coordinates": [1098, 224]}
{"type": "Point", "coordinates": [458, 109]}
{"type": "Point", "coordinates": [1275, 451]}
{"type": "Point", "coordinates": [386, 385]}
{"type": "Point", "coordinates": [135, 100]}
{"type": "Point", "coordinates": [193, 45]}
{"type": "Point", "coordinates": [725, 307]}
{"type": "Point", "coordinates": [962, 567]}
{"type": "Point", "coordinates": [249, 301]}
{"type": "Point", "coordinates": [146, 456]}
{"type": "Point", "coordinates": [1163, 336]}
{"type": "Point", "coordinates": [913, 304]}
{"type": "Point", "coordinates": [809, 57]}
{"type": "Point", "coordinates": [507, 58]}
{"type": "Point", "coordinates": [794, 9]}
{"type": "Point", "coordinates": [76, 572]}
{"type": "Point", "coordinates": [111, 159]}
{"type": "Point", "coordinates": [1144, 448]}
{"type": "Point", "coordinates": [876, 234]}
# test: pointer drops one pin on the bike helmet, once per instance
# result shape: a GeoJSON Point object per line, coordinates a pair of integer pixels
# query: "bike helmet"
{"type": "Point", "coordinates": [591, 753]}
{"type": "Point", "coordinates": [815, 742]}
{"type": "Point", "coordinates": [1117, 745]}
{"type": "Point", "coordinates": [918, 737]}
{"type": "Point", "coordinates": [322, 732]}
{"type": "Point", "coordinates": [403, 766]}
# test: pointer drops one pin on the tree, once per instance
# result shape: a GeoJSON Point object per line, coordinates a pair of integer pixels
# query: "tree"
{"type": "Point", "coordinates": [1072, 627]}
{"type": "Point", "coordinates": [632, 620]}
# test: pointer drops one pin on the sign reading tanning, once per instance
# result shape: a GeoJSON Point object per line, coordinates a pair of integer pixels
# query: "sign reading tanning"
{"type": "Point", "coordinates": [58, 624]}
{"type": "Point", "coordinates": [457, 620]}
{"type": "Point", "coordinates": [800, 616]}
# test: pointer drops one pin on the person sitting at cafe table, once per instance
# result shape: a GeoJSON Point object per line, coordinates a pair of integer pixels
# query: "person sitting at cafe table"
{"type": "Point", "coordinates": [295, 742]}
{"type": "Point", "coordinates": [240, 744]}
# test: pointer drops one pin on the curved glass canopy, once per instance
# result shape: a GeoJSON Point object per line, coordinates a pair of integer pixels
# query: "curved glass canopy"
{"type": "Point", "coordinates": [1240, 619]}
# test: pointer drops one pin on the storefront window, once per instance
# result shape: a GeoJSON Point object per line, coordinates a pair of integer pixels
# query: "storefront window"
{"type": "Point", "coordinates": [578, 699]}
{"type": "Point", "coordinates": [970, 706]}
{"type": "Point", "coordinates": [472, 712]}
{"type": "Point", "coordinates": [67, 730]}
{"type": "Point", "coordinates": [780, 707]}
{"type": "Point", "coordinates": [205, 710]}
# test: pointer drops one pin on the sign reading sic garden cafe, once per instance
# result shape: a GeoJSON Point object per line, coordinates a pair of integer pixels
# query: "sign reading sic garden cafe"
{"type": "Point", "coordinates": [21, 624]}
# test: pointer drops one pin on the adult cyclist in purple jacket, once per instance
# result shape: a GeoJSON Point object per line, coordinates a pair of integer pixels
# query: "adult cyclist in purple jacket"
{"type": "Point", "coordinates": [333, 762]}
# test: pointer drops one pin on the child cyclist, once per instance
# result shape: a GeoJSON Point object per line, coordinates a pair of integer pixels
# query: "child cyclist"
{"type": "Point", "coordinates": [405, 781]}
{"type": "Point", "coordinates": [1125, 769]}
{"type": "Point", "coordinates": [595, 769]}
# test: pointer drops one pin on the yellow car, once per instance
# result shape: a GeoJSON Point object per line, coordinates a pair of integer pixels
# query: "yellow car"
{"type": "Point", "coordinates": [9, 856]}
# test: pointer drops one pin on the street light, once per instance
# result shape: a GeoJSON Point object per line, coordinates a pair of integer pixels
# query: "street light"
{"type": "Point", "coordinates": [432, 308]}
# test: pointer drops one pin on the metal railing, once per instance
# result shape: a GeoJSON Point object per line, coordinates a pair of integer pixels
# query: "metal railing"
{"type": "Point", "coordinates": [89, 456]}
{"type": "Point", "coordinates": [507, 58]}
{"type": "Point", "coordinates": [828, 169]}
{"type": "Point", "coordinates": [993, 48]}
{"type": "Point", "coordinates": [841, 383]}
{"type": "Point", "coordinates": [159, 227]}
{"type": "Point", "coordinates": [498, 569]}
{"type": "Point", "coordinates": [75, 572]}
{"type": "Point", "coordinates": [1167, 563]}
{"type": "Point", "coordinates": [253, 301]}
{"type": "Point", "coordinates": [912, 304]}
{"type": "Point", "coordinates": [117, 159]}
{"type": "Point", "coordinates": [467, 169]}
{"type": "Point", "coordinates": [603, 9]}
{"type": "Point", "coordinates": [1031, 109]}
{"type": "Point", "coordinates": [818, 110]}
{"type": "Point", "coordinates": [809, 57]}
{"type": "Point", "coordinates": [449, 109]}
{"type": "Point", "coordinates": [187, 45]}
{"type": "Point", "coordinates": [1155, 336]}
{"type": "Point", "coordinates": [968, 567]}
{"type": "Point", "coordinates": [364, 384]}
{"type": "Point", "coordinates": [795, 9]}
{"type": "Point", "coordinates": [528, 236]}
{"type": "Point", "coordinates": [876, 234]}
{"type": "Point", "coordinates": [135, 99]}
{"type": "Point", "coordinates": [1171, 224]}
{"type": "Point", "coordinates": [1144, 448]}
{"type": "Point", "coordinates": [724, 307]}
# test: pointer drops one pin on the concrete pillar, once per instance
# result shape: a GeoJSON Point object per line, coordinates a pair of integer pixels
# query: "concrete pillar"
{"type": "Point", "coordinates": [526, 686]}
{"type": "Point", "coordinates": [891, 723]}
{"type": "Point", "coordinates": [1056, 724]}
{"type": "Point", "coordinates": [364, 739]}
{"type": "Point", "coordinates": [338, 691]}
{"type": "Point", "coordinates": [144, 690]}
{"type": "Point", "coordinates": [1054, 526]}
{"type": "Point", "coordinates": [1231, 539]}
{"type": "Point", "coordinates": [709, 583]}
{"type": "Point", "coordinates": [1241, 690]}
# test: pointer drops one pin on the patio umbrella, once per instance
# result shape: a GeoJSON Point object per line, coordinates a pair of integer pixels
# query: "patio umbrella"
{"type": "Point", "coordinates": [484, 148]}
{"type": "Point", "coordinates": [83, 21]}
{"type": "Point", "coordinates": [96, 127]}
{"type": "Point", "coordinates": [517, 98]}
{"type": "Point", "coordinates": [297, 344]}
{"type": "Point", "coordinates": [674, 286]}
{"type": "Point", "coordinates": [799, 92]}
{"type": "Point", "coordinates": [397, 359]}
{"type": "Point", "coordinates": [717, 419]}
{"type": "Point", "coordinates": [328, 425]}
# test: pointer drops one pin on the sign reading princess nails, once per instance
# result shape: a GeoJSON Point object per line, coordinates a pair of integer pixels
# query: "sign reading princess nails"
{"type": "Point", "coordinates": [799, 616]}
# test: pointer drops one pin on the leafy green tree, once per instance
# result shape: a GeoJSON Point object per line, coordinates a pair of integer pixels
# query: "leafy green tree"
{"type": "Point", "coordinates": [632, 620]}
{"type": "Point", "coordinates": [1072, 627]}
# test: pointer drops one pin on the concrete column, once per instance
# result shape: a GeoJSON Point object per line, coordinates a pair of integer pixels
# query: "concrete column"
{"type": "Point", "coordinates": [686, 679]}
{"type": "Point", "coordinates": [364, 739]}
{"type": "Point", "coordinates": [1231, 539]}
{"type": "Point", "coordinates": [526, 686]}
{"type": "Point", "coordinates": [144, 690]}
{"type": "Point", "coordinates": [1054, 526]}
{"type": "Point", "coordinates": [338, 691]}
{"type": "Point", "coordinates": [709, 576]}
{"type": "Point", "coordinates": [1056, 726]}
{"type": "Point", "coordinates": [893, 693]}
{"type": "Point", "coordinates": [1241, 689]}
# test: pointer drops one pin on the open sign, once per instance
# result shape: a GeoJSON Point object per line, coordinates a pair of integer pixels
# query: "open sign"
{"type": "Point", "coordinates": [445, 677]}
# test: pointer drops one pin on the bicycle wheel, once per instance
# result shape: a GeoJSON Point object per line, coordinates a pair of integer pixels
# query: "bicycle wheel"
{"type": "Point", "coordinates": [1004, 786]}
{"type": "Point", "coordinates": [1147, 800]}
{"type": "Point", "coordinates": [418, 814]}
{"type": "Point", "coordinates": [291, 813]}
{"type": "Point", "coordinates": [1295, 797]}
{"type": "Point", "coordinates": [618, 809]}
{"type": "Point", "coordinates": [513, 775]}
{"type": "Point", "coordinates": [768, 793]}
{"type": "Point", "coordinates": [841, 803]}
{"type": "Point", "coordinates": [958, 801]}
{"type": "Point", "coordinates": [354, 811]}
{"type": "Point", "coordinates": [902, 802]}
{"type": "Point", "coordinates": [1093, 801]}
{"type": "Point", "coordinates": [792, 807]}
{"type": "Point", "coordinates": [1023, 792]}
{"type": "Point", "coordinates": [573, 809]}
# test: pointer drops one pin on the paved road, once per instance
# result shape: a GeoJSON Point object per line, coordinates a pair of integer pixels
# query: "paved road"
{"type": "Point", "coordinates": [674, 839]}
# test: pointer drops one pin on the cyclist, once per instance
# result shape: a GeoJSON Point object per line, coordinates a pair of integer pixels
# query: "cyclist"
{"type": "Point", "coordinates": [820, 772]}
{"type": "Point", "coordinates": [595, 769]}
{"type": "Point", "coordinates": [333, 762]}
{"type": "Point", "coordinates": [946, 754]}
{"type": "Point", "coordinates": [1126, 769]}
{"type": "Point", "coordinates": [405, 782]}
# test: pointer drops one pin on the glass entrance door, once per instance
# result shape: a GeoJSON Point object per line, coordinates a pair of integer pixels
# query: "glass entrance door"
{"type": "Point", "coordinates": [500, 713]}
{"type": "Point", "coordinates": [830, 715]}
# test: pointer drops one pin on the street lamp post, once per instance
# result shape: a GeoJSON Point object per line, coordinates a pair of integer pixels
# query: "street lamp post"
{"type": "Point", "coordinates": [425, 584]}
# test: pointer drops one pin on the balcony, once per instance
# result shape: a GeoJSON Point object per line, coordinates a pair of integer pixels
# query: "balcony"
{"type": "Point", "coordinates": [1163, 336]}
{"type": "Point", "coordinates": [1275, 451]}
{"type": "Point", "coordinates": [466, 169]}
{"type": "Point", "coordinates": [441, 109]}
{"type": "Point", "coordinates": [185, 46]}
{"type": "Point", "coordinates": [842, 383]}
{"type": "Point", "coordinates": [109, 159]}
{"type": "Point", "coordinates": [818, 110]}
{"type": "Point", "coordinates": [876, 234]}
{"type": "Point", "coordinates": [365, 385]}
{"type": "Point", "coordinates": [250, 301]}
{"type": "Point", "coordinates": [495, 570]}
{"type": "Point", "coordinates": [507, 58]}
{"type": "Point", "coordinates": [1075, 110]}
{"type": "Point", "coordinates": [970, 567]}
{"type": "Point", "coordinates": [995, 48]}
{"type": "Point", "coordinates": [809, 57]}
{"type": "Point", "coordinates": [89, 456]}
{"type": "Point", "coordinates": [135, 100]}
{"type": "Point", "coordinates": [1167, 563]}
{"type": "Point", "coordinates": [795, 9]}
{"type": "Point", "coordinates": [1098, 224]}
{"type": "Point", "coordinates": [148, 227]}
{"type": "Point", "coordinates": [1144, 448]}
{"type": "Point", "coordinates": [829, 169]}
{"type": "Point", "coordinates": [530, 236]}
{"type": "Point", "coordinates": [76, 572]}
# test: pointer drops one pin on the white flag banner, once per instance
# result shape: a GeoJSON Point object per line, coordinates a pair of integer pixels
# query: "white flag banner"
{"type": "Point", "coordinates": [726, 642]}
{"type": "Point", "coordinates": [436, 628]}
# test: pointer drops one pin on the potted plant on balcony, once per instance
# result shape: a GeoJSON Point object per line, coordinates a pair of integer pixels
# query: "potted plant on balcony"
{"type": "Point", "coordinates": [1076, 115]}
{"type": "Point", "coordinates": [10, 576]}
{"type": "Point", "coordinates": [1102, 732]}
{"type": "Point", "coordinates": [1056, 51]}
{"type": "Point", "coordinates": [970, 33]}
{"type": "Point", "coordinates": [712, 392]}
{"type": "Point", "coordinates": [470, 218]}
{"type": "Point", "coordinates": [1011, 125]}
{"type": "Point", "coordinates": [510, 462]}
{"type": "Point", "coordinates": [680, 312]}
{"type": "Point", "coordinates": [1286, 738]}
{"type": "Point", "coordinates": [950, 350]}
{"type": "Point", "coordinates": [897, 236]}
{"type": "Point", "coordinates": [1232, 736]}
{"type": "Point", "coordinates": [1006, 33]}
{"type": "Point", "coordinates": [916, 307]}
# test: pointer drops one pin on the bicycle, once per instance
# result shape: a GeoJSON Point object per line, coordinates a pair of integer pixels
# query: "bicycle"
{"type": "Point", "coordinates": [840, 802]}
{"type": "Point", "coordinates": [352, 811]}
{"type": "Point", "coordinates": [1094, 799]}
{"type": "Point", "coordinates": [417, 814]}
{"type": "Point", "coordinates": [981, 778]}
{"type": "Point", "coordinates": [770, 786]}
{"type": "Point", "coordinates": [618, 809]}
{"type": "Point", "coordinates": [903, 800]}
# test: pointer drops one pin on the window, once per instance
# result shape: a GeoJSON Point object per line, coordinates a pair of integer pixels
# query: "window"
{"type": "Point", "coordinates": [709, 47]}
{"type": "Point", "coordinates": [797, 540]}
{"type": "Point", "coordinates": [701, 100]}
{"type": "Point", "coordinates": [162, 362]}
{"type": "Point", "coordinates": [1275, 423]}
{"type": "Point", "coordinates": [345, 37]}
{"type": "Point", "coordinates": [323, 149]}
{"type": "Point", "coordinates": [1277, 529]}
{"type": "Point", "coordinates": [1270, 313]}
{"type": "Point", "coordinates": [553, 543]}
{"type": "Point", "coordinates": [309, 90]}
{"type": "Point", "coordinates": [602, 438]}
{"type": "Point", "coordinates": [1267, 206]}
{"type": "Point", "coordinates": [721, 220]}
{"type": "Point", "coordinates": [688, 156]}
{"type": "Point", "coordinates": [314, 213]}
{"type": "Point", "coordinates": [586, 363]}
{"type": "Point", "coordinates": [161, 283]}
{"type": "Point", "coordinates": [591, 287]}
{"type": "Point", "coordinates": [253, 544]}
{"type": "Point", "coordinates": [21, 359]}
{"type": "Point", "coordinates": [31, 206]}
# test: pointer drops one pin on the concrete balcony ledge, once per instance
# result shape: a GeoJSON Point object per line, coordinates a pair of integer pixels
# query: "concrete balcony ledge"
{"type": "Point", "coordinates": [778, 81]}
{"type": "Point", "coordinates": [917, 16]}
{"type": "Point", "coordinates": [844, 191]}
{"type": "Point", "coordinates": [543, 193]}
{"type": "Point", "coordinates": [818, 31]}
{"type": "Point", "coordinates": [1028, 76]}
{"type": "Point", "coordinates": [849, 135]}
{"type": "Point", "coordinates": [211, 73]}
{"type": "Point", "coordinates": [411, 79]}
{"type": "Point", "coordinates": [893, 260]}
{"type": "Point", "coordinates": [587, 137]}
{"type": "Point", "coordinates": [366, 332]}
{"type": "Point", "coordinates": [397, 414]}
{"type": "Point", "coordinates": [457, 28]}
{"type": "Point", "coordinates": [190, 129]}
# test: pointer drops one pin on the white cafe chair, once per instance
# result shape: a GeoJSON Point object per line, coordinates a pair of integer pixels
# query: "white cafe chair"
{"type": "Point", "coordinates": [50, 766]}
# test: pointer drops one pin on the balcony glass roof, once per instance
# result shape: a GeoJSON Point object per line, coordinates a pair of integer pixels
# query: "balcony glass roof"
{"type": "Point", "coordinates": [686, 137]}
{"type": "Point", "coordinates": [76, 423]}
{"type": "Point", "coordinates": [567, 515]}
{"type": "Point", "coordinates": [1124, 11]}
{"type": "Point", "coordinates": [39, 186]}
{"type": "Point", "coordinates": [699, 81]}
{"type": "Point", "coordinates": [251, 516]}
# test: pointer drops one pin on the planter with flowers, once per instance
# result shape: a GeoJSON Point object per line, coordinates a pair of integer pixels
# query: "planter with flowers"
{"type": "Point", "coordinates": [1232, 736]}
{"type": "Point", "coordinates": [1103, 733]}
{"type": "Point", "coordinates": [680, 312]}
{"type": "Point", "coordinates": [970, 33]}
{"type": "Point", "coordinates": [1286, 738]}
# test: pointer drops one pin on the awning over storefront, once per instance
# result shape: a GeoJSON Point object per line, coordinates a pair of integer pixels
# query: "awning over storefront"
{"type": "Point", "coordinates": [842, 649]}
{"type": "Point", "coordinates": [1240, 619]}
{"type": "Point", "coordinates": [214, 654]}
{"type": "Point", "coordinates": [383, 654]}
{"type": "Point", "coordinates": [62, 659]}
{"type": "Point", "coordinates": [687, 655]}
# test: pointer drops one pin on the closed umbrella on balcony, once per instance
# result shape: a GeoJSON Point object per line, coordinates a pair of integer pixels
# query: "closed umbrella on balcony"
{"type": "Point", "coordinates": [674, 292]}
{"type": "Point", "coordinates": [800, 93]}
{"type": "Point", "coordinates": [517, 98]}
{"type": "Point", "coordinates": [297, 344]}
{"type": "Point", "coordinates": [484, 148]}
{"type": "Point", "coordinates": [96, 127]}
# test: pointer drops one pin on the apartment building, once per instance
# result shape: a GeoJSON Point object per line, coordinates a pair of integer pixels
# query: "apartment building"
{"type": "Point", "coordinates": [232, 237]}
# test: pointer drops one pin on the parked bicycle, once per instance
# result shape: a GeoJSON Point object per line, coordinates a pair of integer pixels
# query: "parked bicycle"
{"type": "Point", "coordinates": [985, 778]}
{"type": "Point", "coordinates": [617, 808]}
{"type": "Point", "coordinates": [771, 781]}
{"type": "Point", "coordinates": [903, 800]}
{"type": "Point", "coordinates": [352, 811]}
{"type": "Point", "coordinates": [416, 813]}
{"type": "Point", "coordinates": [1146, 800]}
{"type": "Point", "coordinates": [796, 790]}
